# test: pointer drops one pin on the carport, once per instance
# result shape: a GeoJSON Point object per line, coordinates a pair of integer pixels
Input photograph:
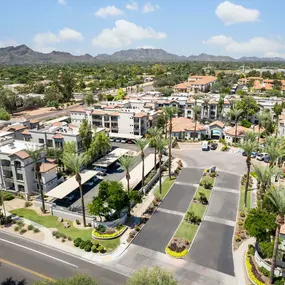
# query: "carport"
{"type": "Point", "coordinates": [70, 185]}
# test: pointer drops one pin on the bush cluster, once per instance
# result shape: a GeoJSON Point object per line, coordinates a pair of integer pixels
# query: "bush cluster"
{"type": "Point", "coordinates": [58, 235]}
{"type": "Point", "coordinates": [108, 233]}
{"type": "Point", "coordinates": [176, 254]}
{"type": "Point", "coordinates": [89, 246]}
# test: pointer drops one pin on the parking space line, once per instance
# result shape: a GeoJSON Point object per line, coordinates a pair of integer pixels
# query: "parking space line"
{"type": "Point", "coordinates": [170, 212]}
{"type": "Point", "coordinates": [219, 221]}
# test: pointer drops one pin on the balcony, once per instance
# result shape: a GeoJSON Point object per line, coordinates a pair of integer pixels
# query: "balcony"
{"type": "Point", "coordinates": [5, 167]}
{"type": "Point", "coordinates": [9, 179]}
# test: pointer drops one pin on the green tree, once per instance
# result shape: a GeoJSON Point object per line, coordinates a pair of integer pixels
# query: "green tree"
{"type": "Point", "coordinates": [4, 115]}
{"type": "Point", "coordinates": [161, 122]}
{"type": "Point", "coordinates": [2, 199]}
{"type": "Point", "coordinates": [248, 145]}
{"type": "Point", "coordinates": [259, 223]}
{"type": "Point", "coordinates": [74, 163]}
{"type": "Point", "coordinates": [74, 280]}
{"type": "Point", "coordinates": [196, 111]}
{"type": "Point", "coordinates": [36, 156]}
{"type": "Point", "coordinates": [249, 106]}
{"type": "Point", "coordinates": [277, 109]}
{"type": "Point", "coordinates": [166, 91]}
{"type": "Point", "coordinates": [154, 133]}
{"type": "Point", "coordinates": [127, 162]}
{"type": "Point", "coordinates": [275, 150]}
{"type": "Point", "coordinates": [85, 133]}
{"type": "Point", "coordinates": [98, 208]}
{"type": "Point", "coordinates": [88, 98]}
{"type": "Point", "coordinates": [8, 99]}
{"type": "Point", "coordinates": [120, 95]}
{"type": "Point", "coordinates": [54, 104]}
{"type": "Point", "coordinates": [100, 144]}
{"type": "Point", "coordinates": [69, 147]}
{"type": "Point", "coordinates": [154, 276]}
{"type": "Point", "coordinates": [65, 83]}
{"type": "Point", "coordinates": [170, 113]}
{"type": "Point", "coordinates": [141, 144]}
{"type": "Point", "coordinates": [261, 117]}
{"type": "Point", "coordinates": [235, 113]}
{"type": "Point", "coordinates": [277, 197]}
{"type": "Point", "coordinates": [160, 145]}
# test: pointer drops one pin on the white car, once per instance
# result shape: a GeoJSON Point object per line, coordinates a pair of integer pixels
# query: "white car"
{"type": "Point", "coordinates": [123, 141]}
{"type": "Point", "coordinates": [260, 156]}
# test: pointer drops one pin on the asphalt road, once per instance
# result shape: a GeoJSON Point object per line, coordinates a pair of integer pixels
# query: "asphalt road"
{"type": "Point", "coordinates": [23, 259]}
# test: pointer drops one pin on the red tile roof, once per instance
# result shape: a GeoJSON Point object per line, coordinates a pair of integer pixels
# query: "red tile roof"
{"type": "Point", "coordinates": [45, 167]}
{"type": "Point", "coordinates": [22, 154]}
{"type": "Point", "coordinates": [26, 132]}
{"type": "Point", "coordinates": [58, 136]}
{"type": "Point", "coordinates": [218, 123]}
{"type": "Point", "coordinates": [184, 124]}
{"type": "Point", "coordinates": [241, 131]}
{"type": "Point", "coordinates": [141, 115]}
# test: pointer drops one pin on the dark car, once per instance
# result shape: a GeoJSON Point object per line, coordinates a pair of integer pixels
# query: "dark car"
{"type": "Point", "coordinates": [214, 146]}
{"type": "Point", "coordinates": [244, 153]}
{"type": "Point", "coordinates": [266, 158]}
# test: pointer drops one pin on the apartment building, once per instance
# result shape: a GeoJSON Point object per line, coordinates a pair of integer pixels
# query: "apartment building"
{"type": "Point", "coordinates": [196, 84]}
{"type": "Point", "coordinates": [17, 167]}
{"type": "Point", "coordinates": [281, 124]}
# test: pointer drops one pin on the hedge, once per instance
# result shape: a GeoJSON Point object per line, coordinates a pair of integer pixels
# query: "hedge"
{"type": "Point", "coordinates": [176, 254]}
{"type": "Point", "coordinates": [108, 236]}
{"type": "Point", "coordinates": [250, 273]}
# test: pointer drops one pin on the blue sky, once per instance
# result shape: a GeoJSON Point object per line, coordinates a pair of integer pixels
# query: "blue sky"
{"type": "Point", "coordinates": [235, 28]}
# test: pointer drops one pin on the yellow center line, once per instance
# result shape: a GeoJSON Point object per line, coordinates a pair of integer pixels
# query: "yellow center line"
{"type": "Point", "coordinates": [26, 269]}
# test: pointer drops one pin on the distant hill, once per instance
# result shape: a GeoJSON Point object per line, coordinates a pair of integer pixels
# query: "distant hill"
{"type": "Point", "coordinates": [24, 55]}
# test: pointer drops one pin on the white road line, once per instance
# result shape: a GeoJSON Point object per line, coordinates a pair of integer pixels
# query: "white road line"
{"type": "Point", "coordinates": [219, 221]}
{"type": "Point", "coordinates": [170, 212]}
{"type": "Point", "coordinates": [38, 252]}
{"type": "Point", "coordinates": [186, 184]}
{"type": "Point", "coordinates": [234, 191]}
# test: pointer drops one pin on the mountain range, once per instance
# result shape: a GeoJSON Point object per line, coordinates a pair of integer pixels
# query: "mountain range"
{"type": "Point", "coordinates": [22, 54]}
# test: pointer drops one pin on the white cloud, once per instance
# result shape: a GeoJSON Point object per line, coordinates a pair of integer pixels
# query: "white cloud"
{"type": "Point", "coordinates": [132, 6]}
{"type": "Point", "coordinates": [230, 13]}
{"type": "Point", "coordinates": [108, 11]}
{"type": "Point", "coordinates": [8, 43]}
{"type": "Point", "coordinates": [46, 38]}
{"type": "Point", "coordinates": [67, 34]}
{"type": "Point", "coordinates": [146, 47]}
{"type": "Point", "coordinates": [148, 8]}
{"type": "Point", "coordinates": [123, 34]}
{"type": "Point", "coordinates": [275, 54]}
{"type": "Point", "coordinates": [219, 40]}
{"type": "Point", "coordinates": [62, 2]}
{"type": "Point", "coordinates": [261, 45]}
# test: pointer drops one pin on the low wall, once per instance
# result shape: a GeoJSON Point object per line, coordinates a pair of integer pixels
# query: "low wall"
{"type": "Point", "coordinates": [111, 224]}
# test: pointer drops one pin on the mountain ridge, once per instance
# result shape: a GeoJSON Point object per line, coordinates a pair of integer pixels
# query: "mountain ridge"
{"type": "Point", "coordinates": [22, 54]}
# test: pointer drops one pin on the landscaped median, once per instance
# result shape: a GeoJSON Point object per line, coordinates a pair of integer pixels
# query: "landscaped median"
{"type": "Point", "coordinates": [184, 235]}
{"type": "Point", "coordinates": [105, 234]}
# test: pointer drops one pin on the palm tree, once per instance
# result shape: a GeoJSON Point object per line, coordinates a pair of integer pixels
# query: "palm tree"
{"type": "Point", "coordinates": [261, 117]}
{"type": "Point", "coordinates": [2, 196]}
{"type": "Point", "coordinates": [205, 106]}
{"type": "Point", "coordinates": [236, 113]}
{"type": "Point", "coordinates": [275, 152]}
{"type": "Point", "coordinates": [264, 175]}
{"type": "Point", "coordinates": [35, 154]}
{"type": "Point", "coordinates": [248, 145]}
{"type": "Point", "coordinates": [277, 198]}
{"type": "Point", "coordinates": [170, 113]}
{"type": "Point", "coordinates": [74, 163]}
{"type": "Point", "coordinates": [126, 163]}
{"type": "Point", "coordinates": [160, 145]}
{"type": "Point", "coordinates": [154, 133]}
{"type": "Point", "coordinates": [141, 144]}
{"type": "Point", "coordinates": [196, 110]}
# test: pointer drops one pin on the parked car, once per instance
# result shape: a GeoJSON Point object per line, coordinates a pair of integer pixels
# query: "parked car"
{"type": "Point", "coordinates": [253, 154]}
{"type": "Point", "coordinates": [244, 153]}
{"type": "Point", "coordinates": [214, 146]}
{"type": "Point", "coordinates": [266, 158]}
{"type": "Point", "coordinates": [69, 197]}
{"type": "Point", "coordinates": [117, 140]}
{"type": "Point", "coordinates": [112, 139]}
{"type": "Point", "coordinates": [130, 141]}
{"type": "Point", "coordinates": [123, 141]}
{"type": "Point", "coordinates": [260, 156]}
{"type": "Point", "coordinates": [205, 146]}
{"type": "Point", "coordinates": [102, 173]}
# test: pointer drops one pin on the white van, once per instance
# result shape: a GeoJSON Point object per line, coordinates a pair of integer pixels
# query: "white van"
{"type": "Point", "coordinates": [205, 146]}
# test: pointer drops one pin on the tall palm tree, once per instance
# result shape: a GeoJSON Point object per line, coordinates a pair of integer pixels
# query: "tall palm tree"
{"type": "Point", "coordinates": [261, 117]}
{"type": "Point", "coordinates": [248, 145]}
{"type": "Point", "coordinates": [196, 110]}
{"type": "Point", "coordinates": [170, 113]}
{"type": "Point", "coordinates": [160, 145]}
{"type": "Point", "coordinates": [2, 195]}
{"type": "Point", "coordinates": [264, 175]}
{"type": "Point", "coordinates": [275, 152]}
{"type": "Point", "coordinates": [126, 163]}
{"type": "Point", "coordinates": [277, 198]}
{"type": "Point", "coordinates": [205, 106]}
{"type": "Point", "coordinates": [236, 113]}
{"type": "Point", "coordinates": [141, 144]}
{"type": "Point", "coordinates": [74, 163]}
{"type": "Point", "coordinates": [154, 133]}
{"type": "Point", "coordinates": [35, 154]}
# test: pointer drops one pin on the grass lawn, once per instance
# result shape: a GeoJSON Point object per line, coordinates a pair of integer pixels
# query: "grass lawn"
{"type": "Point", "coordinates": [241, 198]}
{"type": "Point", "coordinates": [165, 187]}
{"type": "Point", "coordinates": [208, 178]}
{"type": "Point", "coordinates": [198, 209]}
{"type": "Point", "coordinates": [109, 245]}
{"type": "Point", "coordinates": [51, 222]}
{"type": "Point", "coordinates": [203, 190]}
{"type": "Point", "coordinates": [186, 231]}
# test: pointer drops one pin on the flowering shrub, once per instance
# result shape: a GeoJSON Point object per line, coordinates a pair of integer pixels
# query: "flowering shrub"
{"type": "Point", "coordinates": [176, 254]}
{"type": "Point", "coordinates": [108, 235]}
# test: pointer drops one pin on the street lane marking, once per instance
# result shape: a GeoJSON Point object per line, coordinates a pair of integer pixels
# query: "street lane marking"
{"type": "Point", "coordinates": [219, 221]}
{"type": "Point", "coordinates": [170, 212]}
{"type": "Point", "coordinates": [36, 251]}
{"type": "Point", "coordinates": [26, 269]}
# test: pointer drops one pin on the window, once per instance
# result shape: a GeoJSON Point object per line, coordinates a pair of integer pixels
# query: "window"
{"type": "Point", "coordinates": [49, 143]}
{"type": "Point", "coordinates": [41, 141]}
{"type": "Point", "coordinates": [58, 144]}
{"type": "Point", "coordinates": [19, 176]}
{"type": "Point", "coordinates": [27, 138]}
{"type": "Point", "coordinates": [21, 188]}
{"type": "Point", "coordinates": [17, 164]}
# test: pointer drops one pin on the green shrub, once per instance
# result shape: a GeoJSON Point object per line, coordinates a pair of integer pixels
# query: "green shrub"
{"type": "Point", "coordinates": [7, 196]}
{"type": "Point", "coordinates": [30, 227]}
{"type": "Point", "coordinates": [224, 148]}
{"type": "Point", "coordinates": [54, 233]}
{"type": "Point", "coordinates": [238, 239]}
{"type": "Point", "coordinates": [278, 280]}
{"type": "Point", "coordinates": [28, 204]}
{"type": "Point", "coordinates": [22, 231]}
{"type": "Point", "coordinates": [264, 271]}
{"type": "Point", "coordinates": [77, 222]}
{"type": "Point", "coordinates": [242, 214]}
{"type": "Point", "coordinates": [63, 240]}
{"type": "Point", "coordinates": [137, 228]}
{"type": "Point", "coordinates": [36, 230]}
{"type": "Point", "coordinates": [88, 247]}
{"type": "Point", "coordinates": [96, 243]}
{"type": "Point", "coordinates": [176, 254]}
{"type": "Point", "coordinates": [57, 236]}
{"type": "Point", "coordinates": [202, 198]}
{"type": "Point", "coordinates": [20, 223]}
{"type": "Point", "coordinates": [69, 238]}
{"type": "Point", "coordinates": [62, 235]}
{"type": "Point", "coordinates": [77, 242]}
{"type": "Point", "coordinates": [89, 225]}
{"type": "Point", "coordinates": [94, 248]}
{"type": "Point", "coordinates": [119, 226]}
{"type": "Point", "coordinates": [250, 249]}
{"type": "Point", "coordinates": [17, 228]}
{"type": "Point", "coordinates": [207, 183]}
{"type": "Point", "coordinates": [101, 248]}
{"type": "Point", "coordinates": [266, 249]}
{"type": "Point", "coordinates": [190, 217]}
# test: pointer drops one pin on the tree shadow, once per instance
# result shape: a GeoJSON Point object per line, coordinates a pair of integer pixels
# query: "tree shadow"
{"type": "Point", "coordinates": [11, 281]}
